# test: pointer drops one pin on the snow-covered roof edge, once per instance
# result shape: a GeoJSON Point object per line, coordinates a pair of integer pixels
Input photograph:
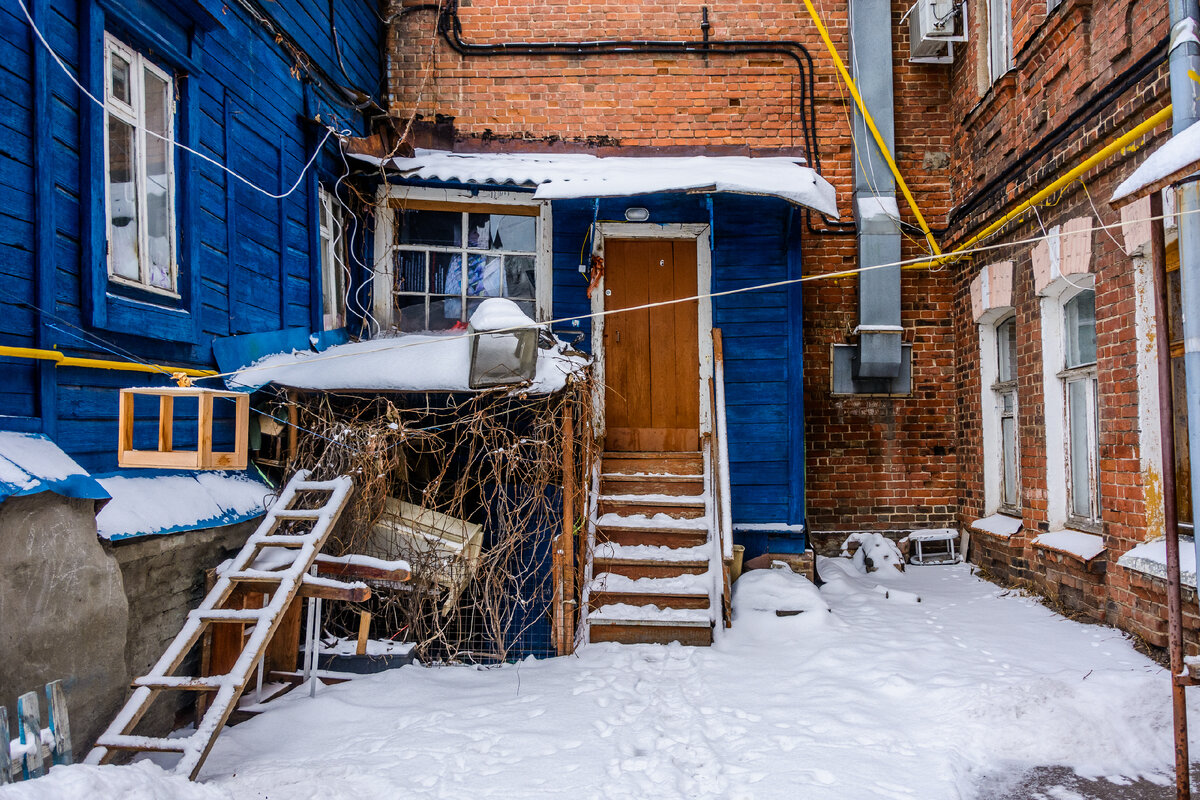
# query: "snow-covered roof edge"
{"type": "Point", "coordinates": [31, 463]}
{"type": "Point", "coordinates": [1174, 160]}
{"type": "Point", "coordinates": [575, 176]}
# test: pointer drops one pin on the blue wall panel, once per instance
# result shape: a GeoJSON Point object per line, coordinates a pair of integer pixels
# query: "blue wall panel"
{"type": "Point", "coordinates": [760, 328]}
{"type": "Point", "coordinates": [244, 258]}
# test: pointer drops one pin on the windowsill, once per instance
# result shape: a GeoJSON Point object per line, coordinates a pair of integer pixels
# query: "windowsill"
{"type": "Point", "coordinates": [1079, 545]}
{"type": "Point", "coordinates": [141, 287]}
{"type": "Point", "coordinates": [1002, 525]}
{"type": "Point", "coordinates": [1150, 559]}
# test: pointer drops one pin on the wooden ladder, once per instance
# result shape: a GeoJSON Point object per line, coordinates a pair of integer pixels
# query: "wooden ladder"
{"type": "Point", "coordinates": [282, 581]}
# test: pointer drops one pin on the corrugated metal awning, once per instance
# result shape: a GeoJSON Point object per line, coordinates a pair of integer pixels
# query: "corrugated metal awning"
{"type": "Point", "coordinates": [575, 176]}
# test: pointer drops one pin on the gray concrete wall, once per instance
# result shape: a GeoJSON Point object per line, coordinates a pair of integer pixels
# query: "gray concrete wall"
{"type": "Point", "coordinates": [63, 612]}
{"type": "Point", "coordinates": [94, 613]}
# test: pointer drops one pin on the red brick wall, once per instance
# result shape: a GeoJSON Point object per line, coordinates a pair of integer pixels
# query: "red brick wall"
{"type": "Point", "coordinates": [872, 463]}
{"type": "Point", "coordinates": [1069, 67]}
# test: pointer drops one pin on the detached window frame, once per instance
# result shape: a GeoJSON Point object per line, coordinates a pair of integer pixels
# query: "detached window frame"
{"type": "Point", "coordinates": [1081, 410]}
{"type": "Point", "coordinates": [335, 265]}
{"type": "Point", "coordinates": [399, 257]}
{"type": "Point", "coordinates": [146, 257]}
{"type": "Point", "coordinates": [1004, 393]}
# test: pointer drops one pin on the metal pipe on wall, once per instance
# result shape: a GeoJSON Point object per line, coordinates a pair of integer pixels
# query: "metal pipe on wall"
{"type": "Point", "coordinates": [1184, 58]}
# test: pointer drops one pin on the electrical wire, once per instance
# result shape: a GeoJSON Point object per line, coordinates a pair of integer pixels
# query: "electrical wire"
{"type": "Point", "coordinates": [180, 145]}
{"type": "Point", "coordinates": [903, 264]}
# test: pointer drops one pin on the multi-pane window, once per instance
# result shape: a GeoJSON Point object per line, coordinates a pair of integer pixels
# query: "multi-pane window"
{"type": "Point", "coordinates": [999, 39]}
{"type": "Point", "coordinates": [139, 166]}
{"type": "Point", "coordinates": [334, 266]}
{"type": "Point", "coordinates": [1082, 417]}
{"type": "Point", "coordinates": [1005, 390]}
{"type": "Point", "coordinates": [446, 261]}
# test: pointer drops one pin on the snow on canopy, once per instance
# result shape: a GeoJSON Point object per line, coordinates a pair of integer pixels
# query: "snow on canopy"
{"type": "Point", "coordinates": [574, 175]}
{"type": "Point", "coordinates": [31, 463]}
{"type": "Point", "coordinates": [157, 504]}
{"type": "Point", "coordinates": [408, 363]}
{"type": "Point", "coordinates": [1180, 154]}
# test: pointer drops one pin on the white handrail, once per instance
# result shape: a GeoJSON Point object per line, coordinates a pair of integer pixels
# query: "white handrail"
{"type": "Point", "coordinates": [722, 466]}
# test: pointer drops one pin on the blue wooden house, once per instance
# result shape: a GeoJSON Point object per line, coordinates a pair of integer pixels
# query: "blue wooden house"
{"type": "Point", "coordinates": [169, 176]}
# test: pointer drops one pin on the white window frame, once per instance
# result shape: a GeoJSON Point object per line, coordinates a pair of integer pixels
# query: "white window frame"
{"type": "Point", "coordinates": [999, 39]}
{"type": "Point", "coordinates": [991, 413]}
{"type": "Point", "coordinates": [1055, 297]}
{"type": "Point", "coordinates": [1084, 375]}
{"type": "Point", "coordinates": [383, 307]}
{"type": "Point", "coordinates": [135, 116]}
{"type": "Point", "coordinates": [335, 270]}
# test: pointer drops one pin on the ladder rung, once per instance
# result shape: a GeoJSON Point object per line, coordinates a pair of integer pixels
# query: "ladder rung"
{"type": "Point", "coordinates": [228, 614]}
{"type": "Point", "coordinates": [257, 575]}
{"type": "Point", "coordinates": [145, 744]}
{"type": "Point", "coordinates": [284, 540]}
{"type": "Point", "coordinates": [183, 684]}
{"type": "Point", "coordinates": [316, 486]}
{"type": "Point", "coordinates": [296, 513]}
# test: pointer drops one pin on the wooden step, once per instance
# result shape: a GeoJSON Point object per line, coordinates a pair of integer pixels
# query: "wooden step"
{"type": "Point", "coordinates": [688, 463]}
{"type": "Point", "coordinates": [680, 507]}
{"type": "Point", "coordinates": [650, 625]}
{"type": "Point", "coordinates": [662, 600]}
{"type": "Point", "coordinates": [620, 483]}
{"type": "Point", "coordinates": [660, 537]}
{"type": "Point", "coordinates": [649, 568]}
{"type": "Point", "coordinates": [144, 744]}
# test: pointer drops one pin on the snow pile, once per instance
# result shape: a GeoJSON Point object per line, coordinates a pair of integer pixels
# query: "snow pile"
{"type": "Point", "coordinates": [407, 363]}
{"type": "Point", "coordinates": [998, 525]}
{"type": "Point", "coordinates": [140, 781]}
{"type": "Point", "coordinates": [565, 176]}
{"type": "Point", "coordinates": [1151, 558]}
{"type": "Point", "coordinates": [168, 503]}
{"type": "Point", "coordinates": [499, 314]}
{"type": "Point", "coordinates": [1077, 543]}
{"type": "Point", "coordinates": [876, 700]}
{"type": "Point", "coordinates": [872, 551]}
{"type": "Point", "coordinates": [1181, 152]}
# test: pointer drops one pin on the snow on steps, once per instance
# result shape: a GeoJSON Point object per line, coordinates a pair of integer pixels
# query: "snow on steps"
{"type": "Point", "coordinates": [681, 591]}
{"type": "Point", "coordinates": [650, 624]}
{"type": "Point", "coordinates": [679, 506]}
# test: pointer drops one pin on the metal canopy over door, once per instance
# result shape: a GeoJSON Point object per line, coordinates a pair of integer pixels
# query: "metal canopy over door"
{"type": "Point", "coordinates": [651, 356]}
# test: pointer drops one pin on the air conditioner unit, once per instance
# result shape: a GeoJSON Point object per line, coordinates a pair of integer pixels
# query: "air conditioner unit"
{"type": "Point", "coordinates": [934, 26]}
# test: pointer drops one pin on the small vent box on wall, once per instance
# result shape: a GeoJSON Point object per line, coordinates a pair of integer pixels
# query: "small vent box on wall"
{"type": "Point", "coordinates": [934, 26]}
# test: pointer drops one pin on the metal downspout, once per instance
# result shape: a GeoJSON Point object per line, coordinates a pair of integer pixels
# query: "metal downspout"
{"type": "Point", "coordinates": [880, 333]}
{"type": "Point", "coordinates": [1185, 58]}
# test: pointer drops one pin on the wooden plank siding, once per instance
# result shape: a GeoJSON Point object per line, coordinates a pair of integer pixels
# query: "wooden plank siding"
{"type": "Point", "coordinates": [761, 330]}
{"type": "Point", "coordinates": [246, 261]}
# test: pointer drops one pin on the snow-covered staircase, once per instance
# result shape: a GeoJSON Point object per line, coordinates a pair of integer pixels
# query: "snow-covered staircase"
{"type": "Point", "coordinates": [653, 555]}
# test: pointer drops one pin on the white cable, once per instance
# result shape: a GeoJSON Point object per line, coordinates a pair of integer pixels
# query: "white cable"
{"type": "Point", "coordinates": [329, 132]}
{"type": "Point", "coordinates": [708, 295]}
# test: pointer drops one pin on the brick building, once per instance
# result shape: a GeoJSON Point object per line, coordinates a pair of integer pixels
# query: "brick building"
{"type": "Point", "coordinates": [1031, 415]}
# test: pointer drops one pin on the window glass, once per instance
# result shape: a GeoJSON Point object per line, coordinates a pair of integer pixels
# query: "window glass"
{"type": "Point", "coordinates": [335, 270]}
{"type": "Point", "coordinates": [1079, 316]}
{"type": "Point", "coordinates": [1008, 437]}
{"type": "Point", "coordinates": [1006, 350]}
{"type": "Point", "coordinates": [439, 228]}
{"type": "Point", "coordinates": [139, 191]}
{"type": "Point", "coordinates": [449, 271]}
{"type": "Point", "coordinates": [1081, 440]}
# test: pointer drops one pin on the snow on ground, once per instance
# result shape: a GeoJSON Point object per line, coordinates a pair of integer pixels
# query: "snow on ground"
{"type": "Point", "coordinates": [877, 697]}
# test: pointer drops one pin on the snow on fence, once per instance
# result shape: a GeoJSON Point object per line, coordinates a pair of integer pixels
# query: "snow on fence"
{"type": "Point", "coordinates": [25, 756]}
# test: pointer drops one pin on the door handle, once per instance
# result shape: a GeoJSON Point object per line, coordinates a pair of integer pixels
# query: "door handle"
{"type": "Point", "coordinates": [618, 333]}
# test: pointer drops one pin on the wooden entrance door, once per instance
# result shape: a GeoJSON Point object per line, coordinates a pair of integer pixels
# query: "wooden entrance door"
{"type": "Point", "coordinates": [652, 356]}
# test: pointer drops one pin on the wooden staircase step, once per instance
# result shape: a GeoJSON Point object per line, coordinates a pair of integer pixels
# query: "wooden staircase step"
{"type": "Point", "coordinates": [597, 600]}
{"type": "Point", "coordinates": [654, 536]}
{"type": "Point", "coordinates": [654, 463]}
{"type": "Point", "coordinates": [651, 569]}
{"type": "Point", "coordinates": [681, 507]}
{"type": "Point", "coordinates": [143, 744]}
{"type": "Point", "coordinates": [677, 485]}
{"type": "Point", "coordinates": [650, 624]}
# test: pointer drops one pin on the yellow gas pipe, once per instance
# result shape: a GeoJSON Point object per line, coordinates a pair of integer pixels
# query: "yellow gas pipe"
{"type": "Point", "coordinates": [62, 360]}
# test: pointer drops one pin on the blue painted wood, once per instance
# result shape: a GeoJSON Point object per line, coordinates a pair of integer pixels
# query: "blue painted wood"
{"type": "Point", "coordinates": [53, 253]}
{"type": "Point", "coordinates": [795, 351]}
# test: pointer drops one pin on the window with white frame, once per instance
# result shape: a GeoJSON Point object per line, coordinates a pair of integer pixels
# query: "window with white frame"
{"type": "Point", "coordinates": [1004, 392]}
{"type": "Point", "coordinates": [446, 260]}
{"type": "Point", "coordinates": [999, 38]}
{"type": "Point", "coordinates": [335, 268]}
{"type": "Point", "coordinates": [139, 168]}
{"type": "Point", "coordinates": [1078, 378]}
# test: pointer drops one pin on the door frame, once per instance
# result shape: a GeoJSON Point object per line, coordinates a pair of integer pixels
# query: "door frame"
{"type": "Point", "coordinates": [697, 232]}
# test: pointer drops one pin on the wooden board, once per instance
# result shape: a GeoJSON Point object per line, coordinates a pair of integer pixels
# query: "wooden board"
{"type": "Point", "coordinates": [652, 361]}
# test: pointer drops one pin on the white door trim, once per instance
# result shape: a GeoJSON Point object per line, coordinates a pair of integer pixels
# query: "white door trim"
{"type": "Point", "coordinates": [630, 230]}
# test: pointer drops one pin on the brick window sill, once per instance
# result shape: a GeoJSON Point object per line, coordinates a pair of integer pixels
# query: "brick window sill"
{"type": "Point", "coordinates": [1088, 562]}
